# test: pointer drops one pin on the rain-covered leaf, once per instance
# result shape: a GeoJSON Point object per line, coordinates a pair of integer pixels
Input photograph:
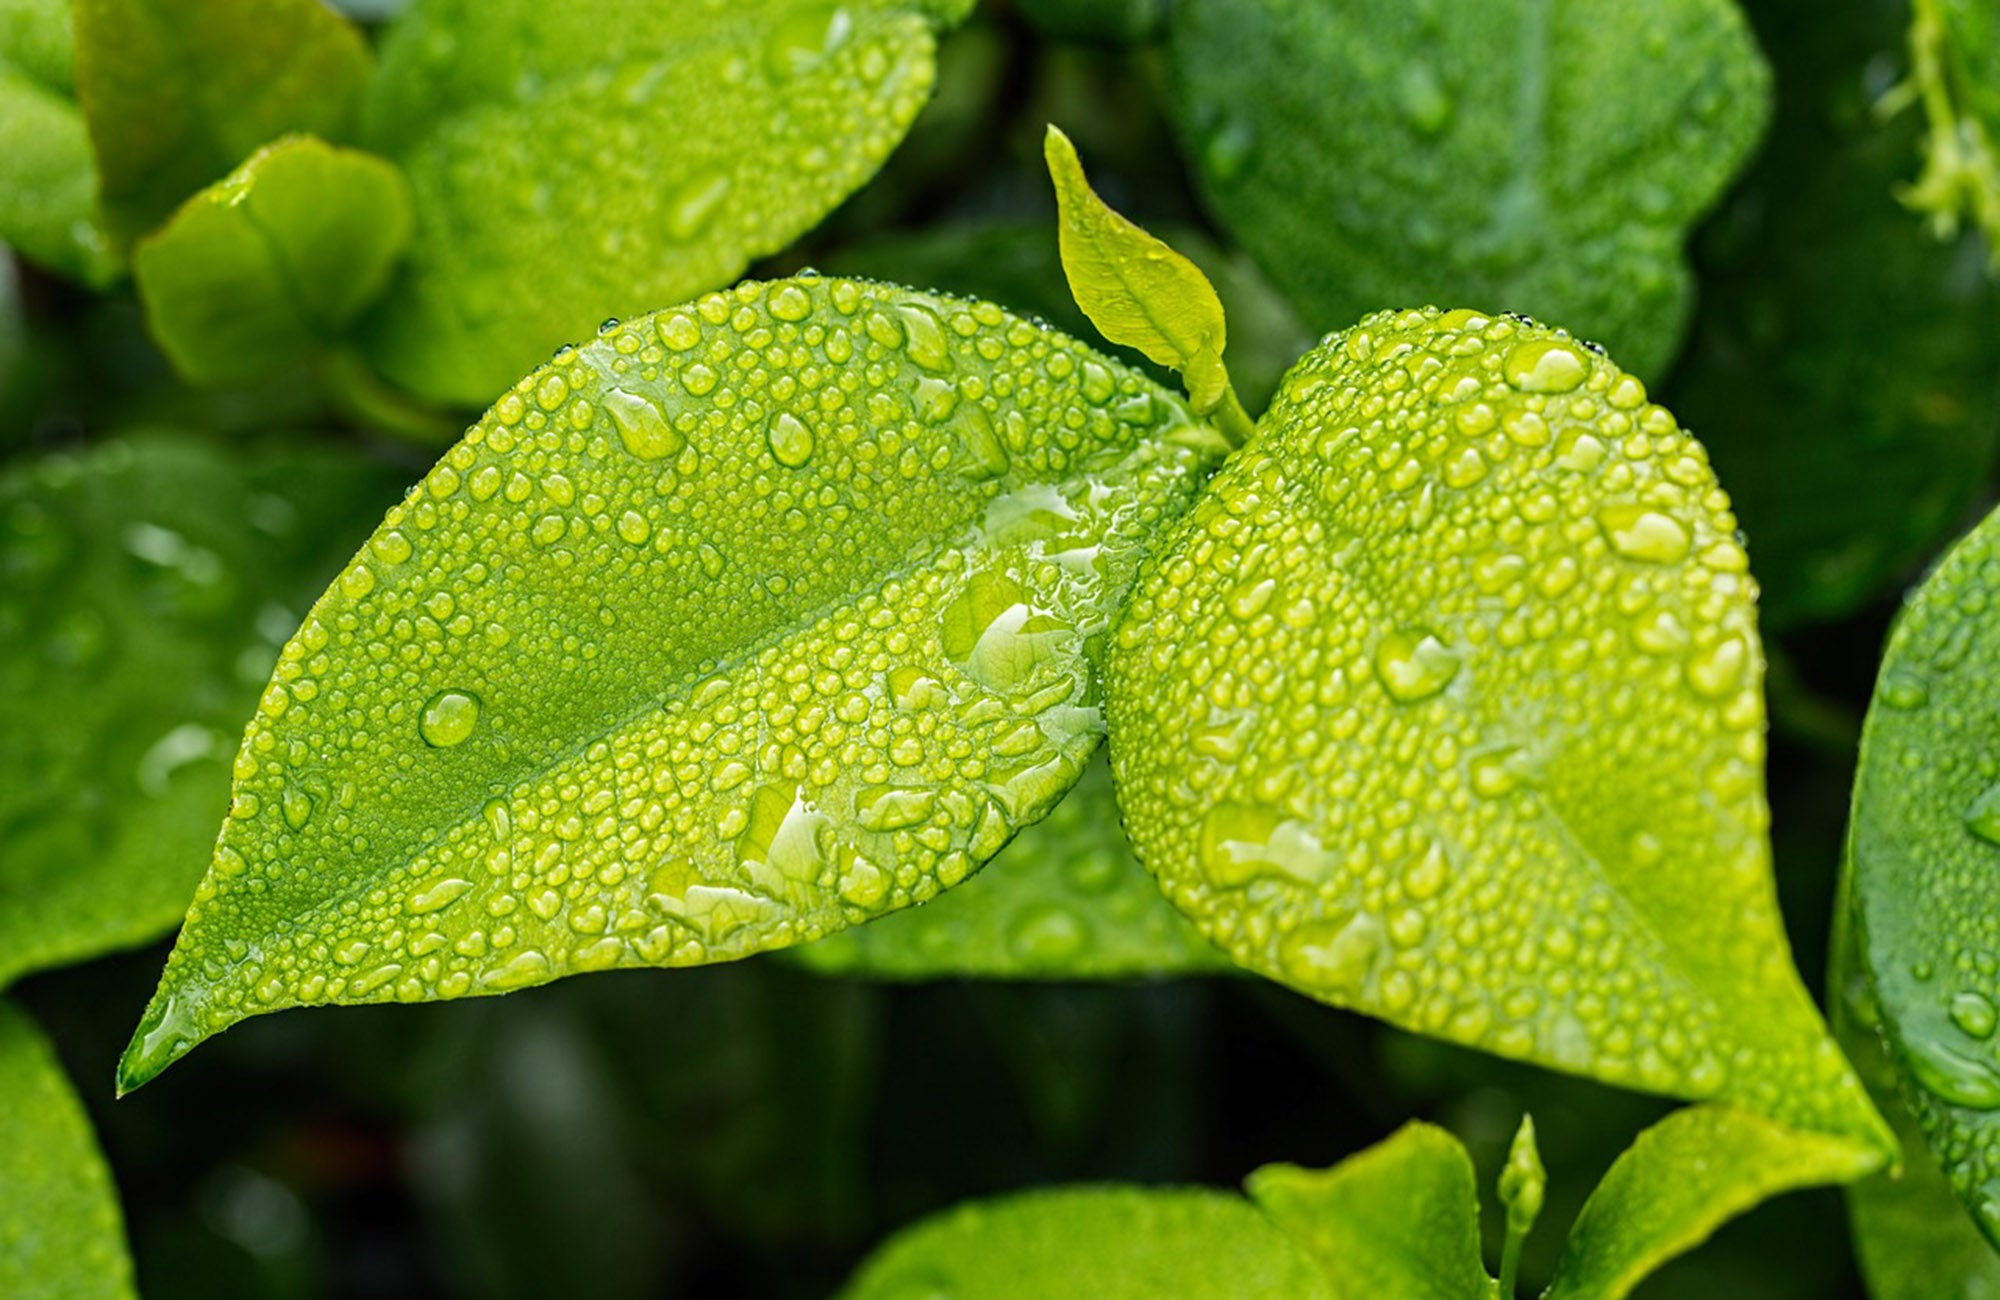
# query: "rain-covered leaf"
{"type": "Point", "coordinates": [1065, 900]}
{"type": "Point", "coordinates": [573, 163]}
{"type": "Point", "coordinates": [1399, 1219]}
{"type": "Point", "coordinates": [1444, 703]}
{"type": "Point", "coordinates": [145, 587]}
{"type": "Point", "coordinates": [744, 622]}
{"type": "Point", "coordinates": [48, 189]}
{"type": "Point", "coordinates": [1524, 154]}
{"type": "Point", "coordinates": [60, 1230]}
{"type": "Point", "coordinates": [1925, 847]}
{"type": "Point", "coordinates": [259, 269]}
{"type": "Point", "coordinates": [1956, 49]}
{"type": "Point", "coordinates": [177, 92]}
{"type": "Point", "coordinates": [1684, 1178]}
{"type": "Point", "coordinates": [1095, 1243]}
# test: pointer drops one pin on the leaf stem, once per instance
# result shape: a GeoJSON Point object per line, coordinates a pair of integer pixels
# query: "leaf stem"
{"type": "Point", "coordinates": [1232, 420]}
{"type": "Point", "coordinates": [1510, 1265]}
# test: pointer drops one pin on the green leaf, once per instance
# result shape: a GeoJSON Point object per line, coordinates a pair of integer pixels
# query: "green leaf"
{"type": "Point", "coordinates": [1925, 843]}
{"type": "Point", "coordinates": [1532, 156]}
{"type": "Point", "coordinates": [177, 92]}
{"type": "Point", "coordinates": [1955, 45]}
{"type": "Point", "coordinates": [571, 164]}
{"type": "Point", "coordinates": [48, 191]}
{"type": "Point", "coordinates": [742, 623]}
{"type": "Point", "coordinates": [60, 1230]}
{"type": "Point", "coordinates": [1444, 704]}
{"type": "Point", "coordinates": [1399, 1219]}
{"type": "Point", "coordinates": [1065, 900]}
{"type": "Point", "coordinates": [144, 588]}
{"type": "Point", "coordinates": [1094, 1243]}
{"type": "Point", "coordinates": [1685, 1177]}
{"type": "Point", "coordinates": [259, 270]}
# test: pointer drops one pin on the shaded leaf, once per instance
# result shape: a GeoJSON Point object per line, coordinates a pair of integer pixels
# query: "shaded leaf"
{"type": "Point", "coordinates": [1510, 793]}
{"type": "Point", "coordinates": [1530, 155]}
{"type": "Point", "coordinates": [259, 269]}
{"type": "Point", "coordinates": [742, 623]}
{"type": "Point", "coordinates": [48, 191]}
{"type": "Point", "coordinates": [1955, 46]}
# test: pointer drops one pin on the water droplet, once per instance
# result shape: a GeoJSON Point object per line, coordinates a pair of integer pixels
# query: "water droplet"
{"type": "Point", "coordinates": [1953, 1076]}
{"type": "Point", "coordinates": [1240, 842]}
{"type": "Point", "coordinates": [439, 896]}
{"type": "Point", "coordinates": [791, 442]}
{"type": "Point", "coordinates": [695, 204]}
{"type": "Point", "coordinates": [1982, 816]}
{"type": "Point", "coordinates": [1047, 933]}
{"type": "Point", "coordinates": [1422, 97]}
{"type": "Point", "coordinates": [448, 718]}
{"type": "Point", "coordinates": [642, 427]}
{"type": "Point", "coordinates": [1900, 690]}
{"type": "Point", "coordinates": [1414, 665]}
{"type": "Point", "coordinates": [1544, 366]}
{"type": "Point", "coordinates": [1714, 672]}
{"type": "Point", "coordinates": [297, 807]}
{"type": "Point", "coordinates": [790, 303]}
{"type": "Point", "coordinates": [1641, 534]}
{"type": "Point", "coordinates": [1329, 955]}
{"type": "Point", "coordinates": [1974, 1013]}
{"type": "Point", "coordinates": [924, 340]}
{"type": "Point", "coordinates": [1226, 148]}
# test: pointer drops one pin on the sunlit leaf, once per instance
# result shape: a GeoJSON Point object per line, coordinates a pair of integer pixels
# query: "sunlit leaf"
{"type": "Point", "coordinates": [48, 189]}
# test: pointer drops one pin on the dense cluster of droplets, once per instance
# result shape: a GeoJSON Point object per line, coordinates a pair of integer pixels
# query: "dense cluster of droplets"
{"type": "Point", "coordinates": [746, 621]}
{"type": "Point", "coordinates": [1444, 702]}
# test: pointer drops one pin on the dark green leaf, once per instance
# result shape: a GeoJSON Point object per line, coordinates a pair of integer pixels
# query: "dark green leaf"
{"type": "Point", "coordinates": [1112, 22]}
{"type": "Point", "coordinates": [1956, 44]}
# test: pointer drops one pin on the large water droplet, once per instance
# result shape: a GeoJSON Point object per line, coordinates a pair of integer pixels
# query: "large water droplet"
{"type": "Point", "coordinates": [1982, 816]}
{"type": "Point", "coordinates": [1952, 1076]}
{"type": "Point", "coordinates": [448, 718]}
{"type": "Point", "coordinates": [1645, 535]}
{"type": "Point", "coordinates": [1047, 933]}
{"type": "Point", "coordinates": [642, 427]}
{"type": "Point", "coordinates": [791, 442]}
{"type": "Point", "coordinates": [1973, 1012]}
{"type": "Point", "coordinates": [1423, 99]}
{"type": "Point", "coordinates": [1240, 842]}
{"type": "Point", "coordinates": [1414, 665]}
{"type": "Point", "coordinates": [1544, 366]}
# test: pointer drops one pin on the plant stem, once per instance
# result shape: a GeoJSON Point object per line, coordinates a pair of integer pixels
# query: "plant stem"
{"type": "Point", "coordinates": [1510, 1265]}
{"type": "Point", "coordinates": [1233, 421]}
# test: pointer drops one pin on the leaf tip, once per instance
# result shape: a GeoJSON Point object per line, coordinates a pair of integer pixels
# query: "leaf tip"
{"type": "Point", "coordinates": [167, 1031]}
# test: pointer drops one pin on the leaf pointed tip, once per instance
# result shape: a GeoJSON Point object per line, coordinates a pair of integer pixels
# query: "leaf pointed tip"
{"type": "Point", "coordinates": [166, 1032]}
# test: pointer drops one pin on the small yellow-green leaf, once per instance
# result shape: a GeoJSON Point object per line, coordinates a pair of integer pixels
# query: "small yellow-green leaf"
{"type": "Point", "coordinates": [274, 261]}
{"type": "Point", "coordinates": [48, 188]}
{"type": "Point", "coordinates": [1138, 292]}
{"type": "Point", "coordinates": [744, 622]}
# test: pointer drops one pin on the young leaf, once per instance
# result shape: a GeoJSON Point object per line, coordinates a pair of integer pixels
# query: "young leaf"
{"type": "Point", "coordinates": [1522, 154]}
{"type": "Point", "coordinates": [572, 164]}
{"type": "Point", "coordinates": [1095, 1243]}
{"type": "Point", "coordinates": [1444, 704]}
{"type": "Point", "coordinates": [144, 589]}
{"type": "Point", "coordinates": [177, 92]}
{"type": "Point", "coordinates": [742, 623]}
{"type": "Point", "coordinates": [1684, 1178]}
{"type": "Point", "coordinates": [1523, 1184]}
{"type": "Point", "coordinates": [1925, 847]}
{"type": "Point", "coordinates": [1399, 1219]}
{"type": "Point", "coordinates": [257, 270]}
{"type": "Point", "coordinates": [48, 192]}
{"type": "Point", "coordinates": [1065, 900]}
{"type": "Point", "coordinates": [60, 1230]}
{"type": "Point", "coordinates": [1956, 49]}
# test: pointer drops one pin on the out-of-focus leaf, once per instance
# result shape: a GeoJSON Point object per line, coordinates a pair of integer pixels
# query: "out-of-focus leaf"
{"type": "Point", "coordinates": [742, 623]}
{"type": "Point", "coordinates": [60, 1231]}
{"type": "Point", "coordinates": [177, 92]}
{"type": "Point", "coordinates": [1065, 900]}
{"type": "Point", "coordinates": [144, 589]}
{"type": "Point", "coordinates": [48, 188]}
{"type": "Point", "coordinates": [1955, 45]}
{"type": "Point", "coordinates": [573, 163]}
{"type": "Point", "coordinates": [261, 268]}
{"type": "Point", "coordinates": [1095, 1243]}
{"type": "Point", "coordinates": [1526, 155]}
{"type": "Point", "coordinates": [1110, 22]}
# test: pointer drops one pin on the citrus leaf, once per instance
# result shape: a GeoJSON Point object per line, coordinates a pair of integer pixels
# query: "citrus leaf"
{"type": "Point", "coordinates": [1685, 1177]}
{"type": "Point", "coordinates": [145, 586]}
{"type": "Point", "coordinates": [1925, 844]}
{"type": "Point", "coordinates": [260, 268]}
{"type": "Point", "coordinates": [177, 92]}
{"type": "Point", "coordinates": [1443, 703]}
{"type": "Point", "coordinates": [60, 1230]}
{"type": "Point", "coordinates": [1094, 1243]}
{"type": "Point", "coordinates": [618, 157]}
{"type": "Point", "coordinates": [1956, 49]}
{"type": "Point", "coordinates": [1537, 156]}
{"type": "Point", "coordinates": [48, 192]}
{"type": "Point", "coordinates": [1399, 1219]}
{"type": "Point", "coordinates": [744, 622]}
{"type": "Point", "coordinates": [1065, 900]}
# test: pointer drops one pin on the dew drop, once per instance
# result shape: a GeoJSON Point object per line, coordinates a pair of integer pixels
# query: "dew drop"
{"type": "Point", "coordinates": [1645, 535]}
{"type": "Point", "coordinates": [642, 427]}
{"type": "Point", "coordinates": [1982, 816]}
{"type": "Point", "coordinates": [1422, 97]}
{"type": "Point", "coordinates": [1047, 933]}
{"type": "Point", "coordinates": [924, 337]}
{"type": "Point", "coordinates": [791, 442]}
{"type": "Point", "coordinates": [1544, 366]}
{"type": "Point", "coordinates": [448, 718]}
{"type": "Point", "coordinates": [1952, 1076]}
{"type": "Point", "coordinates": [1974, 1013]}
{"type": "Point", "coordinates": [1414, 665]}
{"type": "Point", "coordinates": [1240, 842]}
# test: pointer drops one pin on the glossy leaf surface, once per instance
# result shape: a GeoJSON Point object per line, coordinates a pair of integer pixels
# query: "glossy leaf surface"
{"type": "Point", "coordinates": [742, 623]}
{"type": "Point", "coordinates": [1543, 156]}
{"type": "Point", "coordinates": [1444, 703]}
{"type": "Point", "coordinates": [48, 190]}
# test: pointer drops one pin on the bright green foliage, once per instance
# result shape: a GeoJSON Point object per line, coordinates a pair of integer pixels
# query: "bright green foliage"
{"type": "Point", "coordinates": [1095, 1243]}
{"type": "Point", "coordinates": [60, 1232]}
{"type": "Point", "coordinates": [747, 621]}
{"type": "Point", "coordinates": [1543, 156]}
{"type": "Point", "coordinates": [1685, 1177]}
{"type": "Point", "coordinates": [258, 270]}
{"type": "Point", "coordinates": [1065, 900]}
{"type": "Point", "coordinates": [574, 163]}
{"type": "Point", "coordinates": [1399, 1219]}
{"type": "Point", "coordinates": [177, 92]}
{"type": "Point", "coordinates": [48, 189]}
{"type": "Point", "coordinates": [148, 584]}
{"type": "Point", "coordinates": [1955, 46]}
{"type": "Point", "coordinates": [1925, 843]}
{"type": "Point", "coordinates": [1505, 783]}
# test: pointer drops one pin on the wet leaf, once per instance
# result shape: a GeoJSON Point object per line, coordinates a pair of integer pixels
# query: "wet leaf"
{"type": "Point", "coordinates": [744, 622]}
{"type": "Point", "coordinates": [48, 190]}
{"type": "Point", "coordinates": [60, 1230]}
{"type": "Point", "coordinates": [575, 164]}
{"type": "Point", "coordinates": [1527, 155]}
{"type": "Point", "coordinates": [1065, 900]}
{"type": "Point", "coordinates": [1094, 1243]}
{"type": "Point", "coordinates": [144, 589]}
{"type": "Point", "coordinates": [260, 269]}
{"type": "Point", "coordinates": [1444, 703]}
{"type": "Point", "coordinates": [1956, 49]}
{"type": "Point", "coordinates": [1399, 1219]}
{"type": "Point", "coordinates": [177, 92]}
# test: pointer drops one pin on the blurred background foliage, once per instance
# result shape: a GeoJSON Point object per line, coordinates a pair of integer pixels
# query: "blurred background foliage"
{"type": "Point", "coordinates": [752, 1130]}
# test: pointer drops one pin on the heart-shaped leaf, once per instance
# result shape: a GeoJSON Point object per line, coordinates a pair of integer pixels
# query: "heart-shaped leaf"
{"type": "Point", "coordinates": [48, 190]}
{"type": "Point", "coordinates": [744, 622]}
